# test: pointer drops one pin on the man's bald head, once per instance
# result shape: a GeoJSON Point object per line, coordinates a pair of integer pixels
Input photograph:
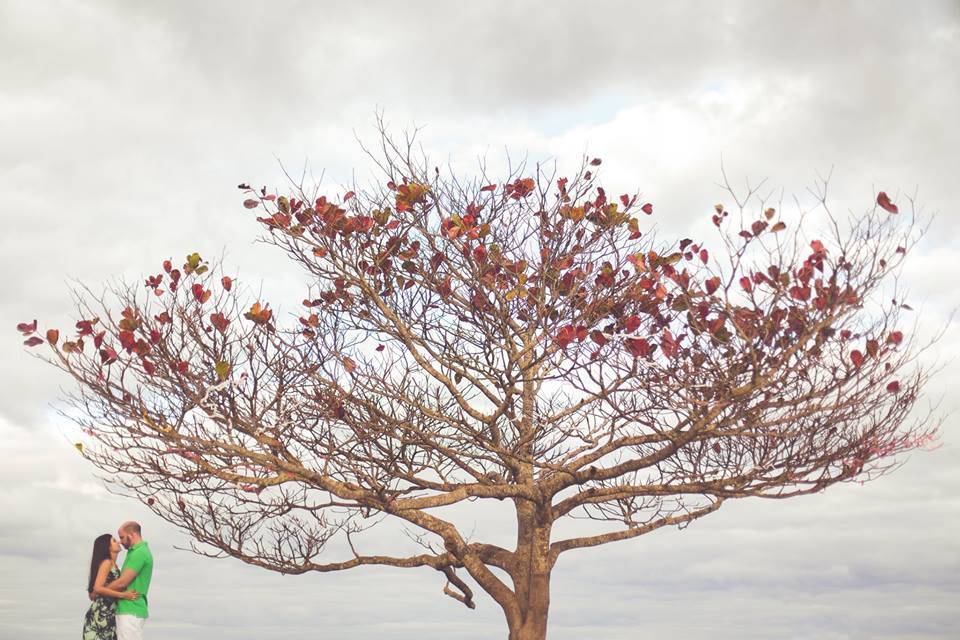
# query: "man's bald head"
{"type": "Point", "coordinates": [129, 533]}
{"type": "Point", "coordinates": [131, 526]}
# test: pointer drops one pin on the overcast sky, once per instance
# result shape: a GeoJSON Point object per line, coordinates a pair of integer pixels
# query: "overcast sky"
{"type": "Point", "coordinates": [125, 127]}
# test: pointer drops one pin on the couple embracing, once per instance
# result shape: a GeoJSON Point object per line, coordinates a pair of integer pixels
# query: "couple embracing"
{"type": "Point", "coordinates": [119, 609]}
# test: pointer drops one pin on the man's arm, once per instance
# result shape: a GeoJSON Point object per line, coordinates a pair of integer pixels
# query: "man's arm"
{"type": "Point", "coordinates": [121, 583]}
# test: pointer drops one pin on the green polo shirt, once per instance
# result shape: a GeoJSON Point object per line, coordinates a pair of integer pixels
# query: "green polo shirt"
{"type": "Point", "coordinates": [138, 559]}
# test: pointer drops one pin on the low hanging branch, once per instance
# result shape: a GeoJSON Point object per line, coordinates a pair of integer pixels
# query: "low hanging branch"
{"type": "Point", "coordinates": [518, 340]}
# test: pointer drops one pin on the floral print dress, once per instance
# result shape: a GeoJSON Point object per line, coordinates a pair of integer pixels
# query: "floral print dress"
{"type": "Point", "coordinates": [101, 620]}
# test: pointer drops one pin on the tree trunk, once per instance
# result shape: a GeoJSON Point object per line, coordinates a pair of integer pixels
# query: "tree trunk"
{"type": "Point", "coordinates": [531, 574]}
{"type": "Point", "coordinates": [531, 624]}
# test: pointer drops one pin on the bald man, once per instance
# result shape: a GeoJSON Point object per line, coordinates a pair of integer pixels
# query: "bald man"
{"type": "Point", "coordinates": [135, 575]}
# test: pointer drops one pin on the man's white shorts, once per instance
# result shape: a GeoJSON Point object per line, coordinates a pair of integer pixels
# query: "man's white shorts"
{"type": "Point", "coordinates": [130, 627]}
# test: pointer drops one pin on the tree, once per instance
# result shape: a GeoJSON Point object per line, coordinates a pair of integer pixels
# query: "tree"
{"type": "Point", "coordinates": [522, 340]}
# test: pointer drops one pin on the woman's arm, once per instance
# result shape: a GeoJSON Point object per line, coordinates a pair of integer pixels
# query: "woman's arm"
{"type": "Point", "coordinates": [100, 588]}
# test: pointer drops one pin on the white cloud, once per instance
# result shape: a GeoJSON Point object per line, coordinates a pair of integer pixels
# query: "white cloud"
{"type": "Point", "coordinates": [126, 127]}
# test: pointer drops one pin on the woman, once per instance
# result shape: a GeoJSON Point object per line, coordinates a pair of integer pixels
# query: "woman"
{"type": "Point", "coordinates": [101, 620]}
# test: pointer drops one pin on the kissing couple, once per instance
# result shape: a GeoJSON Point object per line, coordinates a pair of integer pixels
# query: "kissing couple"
{"type": "Point", "coordinates": [119, 595]}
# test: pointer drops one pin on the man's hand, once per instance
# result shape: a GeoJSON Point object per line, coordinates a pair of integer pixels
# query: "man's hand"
{"type": "Point", "coordinates": [123, 581]}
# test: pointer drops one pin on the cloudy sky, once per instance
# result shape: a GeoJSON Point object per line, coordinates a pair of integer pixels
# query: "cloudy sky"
{"type": "Point", "coordinates": [124, 128]}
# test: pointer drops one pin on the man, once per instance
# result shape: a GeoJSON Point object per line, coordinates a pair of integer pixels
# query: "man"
{"type": "Point", "coordinates": [135, 574]}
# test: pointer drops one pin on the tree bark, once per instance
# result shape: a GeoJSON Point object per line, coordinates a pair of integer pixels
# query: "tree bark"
{"type": "Point", "coordinates": [531, 623]}
{"type": "Point", "coordinates": [531, 573]}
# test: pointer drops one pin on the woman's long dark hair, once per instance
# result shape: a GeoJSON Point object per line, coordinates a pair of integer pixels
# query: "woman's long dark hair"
{"type": "Point", "coordinates": [101, 552]}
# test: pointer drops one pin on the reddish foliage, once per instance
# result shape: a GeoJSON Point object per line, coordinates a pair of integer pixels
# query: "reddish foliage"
{"type": "Point", "coordinates": [27, 328]}
{"type": "Point", "coordinates": [521, 188]}
{"type": "Point", "coordinates": [884, 201]}
{"type": "Point", "coordinates": [638, 347]}
{"type": "Point", "coordinates": [259, 314]}
{"type": "Point", "coordinates": [219, 321]}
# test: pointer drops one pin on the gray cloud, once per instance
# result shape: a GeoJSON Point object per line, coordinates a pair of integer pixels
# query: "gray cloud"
{"type": "Point", "coordinates": [126, 127]}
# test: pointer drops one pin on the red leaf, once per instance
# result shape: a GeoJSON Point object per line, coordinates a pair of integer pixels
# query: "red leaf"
{"type": "Point", "coordinates": [884, 201]}
{"type": "Point", "coordinates": [800, 293]}
{"type": "Point", "coordinates": [154, 336]}
{"type": "Point", "coordinates": [380, 347]}
{"type": "Point", "coordinates": [893, 387]}
{"type": "Point", "coordinates": [895, 337]}
{"type": "Point", "coordinates": [647, 208]}
{"type": "Point", "coordinates": [182, 367]}
{"type": "Point", "coordinates": [219, 321]}
{"type": "Point", "coordinates": [34, 341]}
{"type": "Point", "coordinates": [444, 288]}
{"type": "Point", "coordinates": [167, 266]}
{"type": "Point", "coordinates": [201, 294]}
{"type": "Point", "coordinates": [348, 195]}
{"type": "Point", "coordinates": [631, 324]}
{"type": "Point", "coordinates": [637, 347]}
{"type": "Point", "coordinates": [52, 336]}
{"type": "Point", "coordinates": [227, 282]}
{"type": "Point", "coordinates": [704, 256]}
{"type": "Point", "coordinates": [595, 162]}
{"type": "Point", "coordinates": [520, 188]}
{"type": "Point", "coordinates": [817, 246]}
{"type": "Point", "coordinates": [568, 334]}
{"type": "Point", "coordinates": [480, 253]}
{"type": "Point", "coordinates": [250, 203]}
{"type": "Point", "coordinates": [149, 367]}
{"type": "Point", "coordinates": [712, 284]}
{"type": "Point", "coordinates": [668, 344]}
{"type": "Point", "coordinates": [758, 226]}
{"type": "Point", "coordinates": [856, 357]}
{"type": "Point", "coordinates": [598, 337]}
{"type": "Point", "coordinates": [746, 284]}
{"type": "Point", "coordinates": [873, 348]}
{"type": "Point", "coordinates": [142, 348]}
{"type": "Point", "coordinates": [489, 187]}
{"type": "Point", "coordinates": [108, 355]}
{"type": "Point", "coordinates": [127, 340]}
{"type": "Point", "coordinates": [27, 328]}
